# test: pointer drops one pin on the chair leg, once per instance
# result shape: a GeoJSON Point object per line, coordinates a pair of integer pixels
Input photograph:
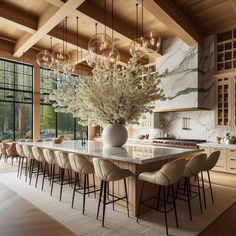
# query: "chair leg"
{"type": "Point", "coordinates": [84, 194]}
{"type": "Point", "coordinates": [113, 198]}
{"type": "Point", "coordinates": [44, 172]}
{"type": "Point", "coordinates": [140, 199]}
{"type": "Point", "coordinates": [188, 195]}
{"type": "Point", "coordinates": [22, 165]}
{"type": "Point", "coordinates": [12, 160]}
{"type": "Point", "coordinates": [127, 200]}
{"type": "Point", "coordinates": [158, 196]}
{"type": "Point", "coordinates": [73, 196]}
{"type": "Point", "coordinates": [199, 194]}
{"type": "Point", "coordinates": [177, 190]}
{"type": "Point", "coordinates": [165, 211]}
{"type": "Point", "coordinates": [203, 190]}
{"type": "Point", "coordinates": [36, 182]}
{"type": "Point", "coordinates": [18, 169]}
{"type": "Point", "coordinates": [62, 181]}
{"type": "Point", "coordinates": [173, 195]}
{"type": "Point", "coordinates": [87, 180]}
{"type": "Point", "coordinates": [209, 179]}
{"type": "Point", "coordinates": [31, 171]}
{"type": "Point", "coordinates": [53, 173]}
{"type": "Point", "coordinates": [104, 201]}
{"type": "Point", "coordinates": [100, 197]}
{"type": "Point", "coordinates": [94, 186]}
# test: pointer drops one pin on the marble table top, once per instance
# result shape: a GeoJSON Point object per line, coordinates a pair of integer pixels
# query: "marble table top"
{"type": "Point", "coordinates": [132, 153]}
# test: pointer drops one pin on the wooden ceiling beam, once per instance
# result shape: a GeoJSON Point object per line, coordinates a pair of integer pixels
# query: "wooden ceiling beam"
{"type": "Point", "coordinates": [174, 19]}
{"type": "Point", "coordinates": [52, 17]}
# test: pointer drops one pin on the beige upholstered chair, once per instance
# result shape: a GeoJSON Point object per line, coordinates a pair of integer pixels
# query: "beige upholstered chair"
{"type": "Point", "coordinates": [192, 169]}
{"type": "Point", "coordinates": [49, 165]}
{"type": "Point", "coordinates": [8, 141]}
{"type": "Point", "coordinates": [81, 165]}
{"type": "Point", "coordinates": [61, 159]}
{"type": "Point", "coordinates": [107, 171]}
{"type": "Point", "coordinates": [22, 157]}
{"type": "Point", "coordinates": [11, 152]}
{"type": "Point", "coordinates": [39, 157]}
{"type": "Point", "coordinates": [168, 175]}
{"type": "Point", "coordinates": [27, 149]}
{"type": "Point", "coordinates": [209, 164]}
{"type": "Point", "coordinates": [4, 147]}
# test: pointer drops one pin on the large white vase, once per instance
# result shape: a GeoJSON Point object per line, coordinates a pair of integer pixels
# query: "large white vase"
{"type": "Point", "coordinates": [114, 135]}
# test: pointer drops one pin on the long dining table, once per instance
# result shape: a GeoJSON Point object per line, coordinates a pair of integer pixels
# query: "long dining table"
{"type": "Point", "coordinates": [135, 157]}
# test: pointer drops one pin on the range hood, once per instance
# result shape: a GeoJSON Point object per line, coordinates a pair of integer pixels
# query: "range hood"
{"type": "Point", "coordinates": [186, 76]}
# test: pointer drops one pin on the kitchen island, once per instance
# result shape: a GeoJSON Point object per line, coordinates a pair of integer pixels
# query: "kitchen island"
{"type": "Point", "coordinates": [136, 158]}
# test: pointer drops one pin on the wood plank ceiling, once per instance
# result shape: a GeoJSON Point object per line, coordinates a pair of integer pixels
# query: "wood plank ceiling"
{"type": "Point", "coordinates": [30, 23]}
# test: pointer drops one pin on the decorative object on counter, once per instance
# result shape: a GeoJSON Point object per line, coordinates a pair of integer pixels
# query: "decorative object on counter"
{"type": "Point", "coordinates": [218, 139]}
{"type": "Point", "coordinates": [141, 136]}
{"type": "Point", "coordinates": [115, 135]}
{"type": "Point", "coordinates": [232, 139]}
{"type": "Point", "coordinates": [186, 123]}
{"type": "Point", "coordinates": [58, 139]}
{"type": "Point", "coordinates": [226, 139]}
{"type": "Point", "coordinates": [147, 136]}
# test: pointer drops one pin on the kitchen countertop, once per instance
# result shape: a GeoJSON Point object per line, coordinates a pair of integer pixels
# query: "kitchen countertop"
{"type": "Point", "coordinates": [217, 145]}
{"type": "Point", "coordinates": [131, 153]}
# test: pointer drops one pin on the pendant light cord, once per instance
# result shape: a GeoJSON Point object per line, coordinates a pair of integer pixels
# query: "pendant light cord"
{"type": "Point", "coordinates": [105, 15]}
{"type": "Point", "coordinates": [77, 41]}
{"type": "Point", "coordinates": [136, 20]}
{"type": "Point", "coordinates": [112, 20]}
{"type": "Point", "coordinates": [66, 33]}
{"type": "Point", "coordinates": [142, 18]}
{"type": "Point", "coordinates": [51, 44]}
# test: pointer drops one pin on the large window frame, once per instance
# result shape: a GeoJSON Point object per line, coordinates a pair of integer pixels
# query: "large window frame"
{"type": "Point", "coordinates": [45, 91]}
{"type": "Point", "coordinates": [16, 90]}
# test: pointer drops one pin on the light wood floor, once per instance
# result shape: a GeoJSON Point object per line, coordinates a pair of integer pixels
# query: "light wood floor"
{"type": "Point", "coordinates": [15, 195]}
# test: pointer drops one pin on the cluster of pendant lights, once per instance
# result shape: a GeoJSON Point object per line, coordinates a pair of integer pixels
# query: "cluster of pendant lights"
{"type": "Point", "coordinates": [101, 50]}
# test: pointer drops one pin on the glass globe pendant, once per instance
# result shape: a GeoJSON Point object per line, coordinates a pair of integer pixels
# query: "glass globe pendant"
{"type": "Point", "coordinates": [44, 59]}
{"type": "Point", "coordinates": [138, 47]}
{"type": "Point", "coordinates": [98, 45]}
{"type": "Point", "coordinates": [111, 58]}
{"type": "Point", "coordinates": [154, 42]}
{"type": "Point", "coordinates": [60, 57]}
{"type": "Point", "coordinates": [90, 61]}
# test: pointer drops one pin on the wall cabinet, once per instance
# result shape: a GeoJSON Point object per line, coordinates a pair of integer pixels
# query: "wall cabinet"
{"type": "Point", "coordinates": [226, 101]}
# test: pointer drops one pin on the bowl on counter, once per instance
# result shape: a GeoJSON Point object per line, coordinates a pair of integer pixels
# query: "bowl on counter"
{"type": "Point", "coordinates": [141, 136]}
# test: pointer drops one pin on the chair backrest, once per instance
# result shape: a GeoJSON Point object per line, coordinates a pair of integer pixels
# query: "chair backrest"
{"type": "Point", "coordinates": [49, 156]}
{"type": "Point", "coordinates": [61, 158]}
{"type": "Point", "coordinates": [4, 148]}
{"type": "Point", "coordinates": [80, 164]}
{"type": "Point", "coordinates": [27, 149]}
{"type": "Point", "coordinates": [11, 151]}
{"type": "Point", "coordinates": [19, 150]}
{"type": "Point", "coordinates": [8, 141]}
{"type": "Point", "coordinates": [38, 153]}
{"type": "Point", "coordinates": [29, 140]}
{"type": "Point", "coordinates": [195, 165]}
{"type": "Point", "coordinates": [104, 169]}
{"type": "Point", "coordinates": [21, 140]}
{"type": "Point", "coordinates": [171, 172]}
{"type": "Point", "coordinates": [212, 160]}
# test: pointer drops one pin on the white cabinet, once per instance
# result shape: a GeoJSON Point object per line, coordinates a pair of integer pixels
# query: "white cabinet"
{"type": "Point", "coordinates": [151, 120]}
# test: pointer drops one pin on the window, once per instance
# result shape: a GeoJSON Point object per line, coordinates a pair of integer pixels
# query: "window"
{"type": "Point", "coordinates": [53, 123]}
{"type": "Point", "coordinates": [16, 100]}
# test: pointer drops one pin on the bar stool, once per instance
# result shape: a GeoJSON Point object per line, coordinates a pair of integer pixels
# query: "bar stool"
{"type": "Point", "coordinates": [49, 165]}
{"type": "Point", "coordinates": [108, 172]}
{"type": "Point", "coordinates": [81, 165]}
{"type": "Point", "coordinates": [61, 159]}
{"type": "Point", "coordinates": [192, 169]}
{"type": "Point", "coordinates": [27, 149]}
{"type": "Point", "coordinates": [11, 152]}
{"type": "Point", "coordinates": [209, 164]}
{"type": "Point", "coordinates": [39, 157]}
{"type": "Point", "coordinates": [167, 176]}
{"type": "Point", "coordinates": [22, 157]}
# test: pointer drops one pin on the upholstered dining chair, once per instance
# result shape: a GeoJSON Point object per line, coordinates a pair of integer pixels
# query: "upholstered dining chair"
{"type": "Point", "coordinates": [166, 177]}
{"type": "Point", "coordinates": [12, 152]}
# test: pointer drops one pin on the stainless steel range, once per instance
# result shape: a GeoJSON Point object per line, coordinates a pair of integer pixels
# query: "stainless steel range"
{"type": "Point", "coordinates": [180, 143]}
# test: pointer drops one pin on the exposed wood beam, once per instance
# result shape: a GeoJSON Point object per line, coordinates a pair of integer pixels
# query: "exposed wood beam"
{"type": "Point", "coordinates": [166, 12]}
{"type": "Point", "coordinates": [233, 3]}
{"type": "Point", "coordinates": [52, 17]}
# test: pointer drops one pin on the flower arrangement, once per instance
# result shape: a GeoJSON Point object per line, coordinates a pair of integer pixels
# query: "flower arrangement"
{"type": "Point", "coordinates": [119, 95]}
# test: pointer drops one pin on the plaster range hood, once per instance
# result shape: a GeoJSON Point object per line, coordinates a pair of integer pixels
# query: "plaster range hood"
{"type": "Point", "coordinates": [187, 78]}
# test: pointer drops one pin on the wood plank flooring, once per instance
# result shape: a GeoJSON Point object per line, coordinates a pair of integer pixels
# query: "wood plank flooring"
{"type": "Point", "coordinates": [22, 203]}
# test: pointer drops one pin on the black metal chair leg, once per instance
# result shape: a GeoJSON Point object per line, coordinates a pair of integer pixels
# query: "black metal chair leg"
{"type": "Point", "coordinates": [188, 195]}
{"type": "Point", "coordinates": [84, 194]}
{"type": "Point", "coordinates": [199, 194]}
{"type": "Point", "coordinates": [113, 196]}
{"type": "Point", "coordinates": [73, 197]}
{"type": "Point", "coordinates": [44, 172]}
{"type": "Point", "coordinates": [140, 199]}
{"type": "Point", "coordinates": [18, 169]}
{"type": "Point", "coordinates": [22, 166]}
{"type": "Point", "coordinates": [209, 179]}
{"type": "Point", "coordinates": [53, 173]}
{"type": "Point", "coordinates": [203, 190]}
{"type": "Point", "coordinates": [100, 197]}
{"type": "Point", "coordinates": [62, 181]}
{"type": "Point", "coordinates": [126, 193]}
{"type": "Point", "coordinates": [28, 170]}
{"type": "Point", "coordinates": [94, 186]}
{"type": "Point", "coordinates": [88, 184]}
{"type": "Point", "coordinates": [36, 182]}
{"type": "Point", "coordinates": [31, 171]}
{"type": "Point", "coordinates": [104, 201]}
{"type": "Point", "coordinates": [173, 195]}
{"type": "Point", "coordinates": [165, 211]}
